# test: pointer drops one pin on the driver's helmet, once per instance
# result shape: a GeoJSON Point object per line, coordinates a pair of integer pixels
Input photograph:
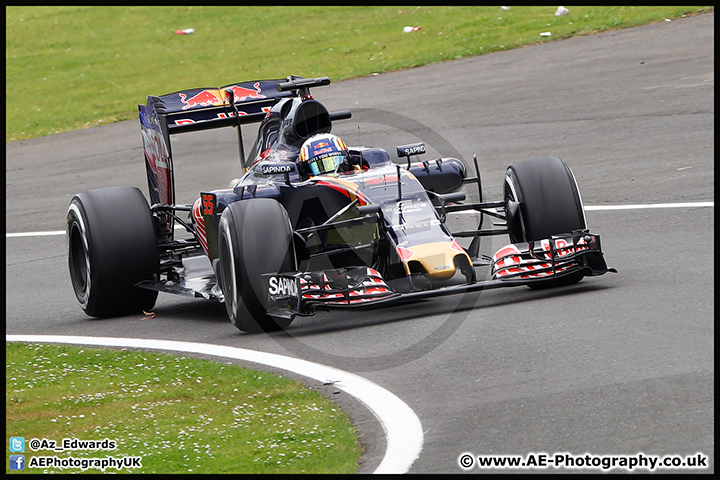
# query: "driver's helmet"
{"type": "Point", "coordinates": [321, 154]}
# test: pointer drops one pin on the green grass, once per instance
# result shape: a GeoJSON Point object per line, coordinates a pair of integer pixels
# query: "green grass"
{"type": "Point", "coordinates": [76, 67]}
{"type": "Point", "coordinates": [181, 415]}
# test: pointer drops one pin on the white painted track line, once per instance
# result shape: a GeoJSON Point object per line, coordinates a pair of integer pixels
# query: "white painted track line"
{"type": "Point", "coordinates": [35, 234]}
{"type": "Point", "coordinates": [402, 427]}
{"type": "Point", "coordinates": [650, 205]}
{"type": "Point", "coordinates": [588, 208]}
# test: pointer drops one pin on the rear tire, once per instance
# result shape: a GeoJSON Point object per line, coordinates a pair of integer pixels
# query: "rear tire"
{"type": "Point", "coordinates": [541, 200]}
{"type": "Point", "coordinates": [111, 247]}
{"type": "Point", "coordinates": [255, 237]}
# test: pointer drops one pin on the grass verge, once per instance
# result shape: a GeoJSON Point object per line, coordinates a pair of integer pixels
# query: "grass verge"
{"type": "Point", "coordinates": [76, 67]}
{"type": "Point", "coordinates": [180, 415]}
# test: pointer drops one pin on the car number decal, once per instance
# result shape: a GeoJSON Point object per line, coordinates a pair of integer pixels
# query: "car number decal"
{"type": "Point", "coordinates": [208, 203]}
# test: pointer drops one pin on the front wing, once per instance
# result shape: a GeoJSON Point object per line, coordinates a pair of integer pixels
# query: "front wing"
{"type": "Point", "coordinates": [577, 253]}
{"type": "Point", "coordinates": [286, 295]}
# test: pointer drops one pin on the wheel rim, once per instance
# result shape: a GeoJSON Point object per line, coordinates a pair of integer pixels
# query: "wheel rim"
{"type": "Point", "coordinates": [79, 263]}
{"type": "Point", "coordinates": [228, 282]}
{"type": "Point", "coordinates": [514, 227]}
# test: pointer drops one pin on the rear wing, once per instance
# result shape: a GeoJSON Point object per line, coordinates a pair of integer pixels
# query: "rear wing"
{"type": "Point", "coordinates": [208, 108]}
{"type": "Point", "coordinates": [193, 110]}
{"type": "Point", "coordinates": [203, 108]}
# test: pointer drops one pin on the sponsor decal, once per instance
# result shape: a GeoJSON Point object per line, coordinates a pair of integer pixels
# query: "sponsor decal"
{"type": "Point", "coordinates": [231, 114]}
{"type": "Point", "coordinates": [280, 288]}
{"type": "Point", "coordinates": [276, 169]}
{"type": "Point", "coordinates": [205, 98]}
{"type": "Point", "coordinates": [219, 115]}
{"type": "Point", "coordinates": [321, 150]}
{"type": "Point", "coordinates": [155, 148]}
{"type": "Point", "coordinates": [413, 149]}
{"type": "Point", "coordinates": [408, 206]}
{"type": "Point", "coordinates": [384, 179]}
{"type": "Point", "coordinates": [242, 93]}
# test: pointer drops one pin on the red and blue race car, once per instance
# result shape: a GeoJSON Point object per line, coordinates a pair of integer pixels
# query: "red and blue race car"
{"type": "Point", "coordinates": [279, 243]}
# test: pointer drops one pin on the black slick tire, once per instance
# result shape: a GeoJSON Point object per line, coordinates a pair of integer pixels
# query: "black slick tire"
{"type": "Point", "coordinates": [255, 237]}
{"type": "Point", "coordinates": [111, 247]}
{"type": "Point", "coordinates": [541, 200]}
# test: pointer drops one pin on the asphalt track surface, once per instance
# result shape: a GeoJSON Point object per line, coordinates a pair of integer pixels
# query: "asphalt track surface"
{"type": "Point", "coordinates": [622, 364]}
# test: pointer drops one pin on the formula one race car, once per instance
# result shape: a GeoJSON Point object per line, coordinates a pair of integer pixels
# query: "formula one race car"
{"type": "Point", "coordinates": [282, 242]}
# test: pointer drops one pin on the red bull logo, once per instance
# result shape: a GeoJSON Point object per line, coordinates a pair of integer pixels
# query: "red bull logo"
{"type": "Point", "coordinates": [205, 98]}
{"type": "Point", "coordinates": [321, 147]}
{"type": "Point", "coordinates": [242, 93]}
{"type": "Point", "coordinates": [318, 151]}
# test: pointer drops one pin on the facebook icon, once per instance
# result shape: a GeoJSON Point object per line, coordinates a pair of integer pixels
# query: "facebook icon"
{"type": "Point", "coordinates": [17, 462]}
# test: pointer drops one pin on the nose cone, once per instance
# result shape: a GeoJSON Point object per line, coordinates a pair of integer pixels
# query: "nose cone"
{"type": "Point", "coordinates": [437, 260]}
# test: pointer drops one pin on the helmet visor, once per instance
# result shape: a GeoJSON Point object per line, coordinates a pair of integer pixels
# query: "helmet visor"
{"type": "Point", "coordinates": [329, 164]}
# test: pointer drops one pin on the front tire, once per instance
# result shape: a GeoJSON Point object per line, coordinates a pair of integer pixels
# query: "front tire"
{"type": "Point", "coordinates": [255, 237]}
{"type": "Point", "coordinates": [541, 200]}
{"type": "Point", "coordinates": [111, 247]}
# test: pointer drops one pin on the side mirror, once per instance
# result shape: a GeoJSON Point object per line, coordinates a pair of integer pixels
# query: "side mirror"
{"type": "Point", "coordinates": [442, 199]}
{"type": "Point", "coordinates": [446, 198]}
{"type": "Point", "coordinates": [366, 209]}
